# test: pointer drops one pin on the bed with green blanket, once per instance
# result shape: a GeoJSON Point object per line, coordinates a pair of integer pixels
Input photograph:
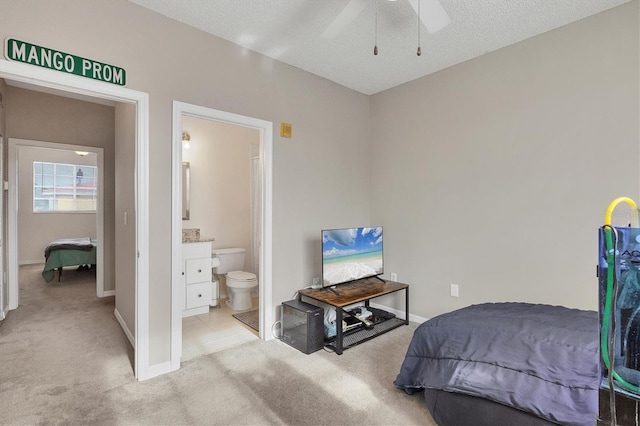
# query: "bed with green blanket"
{"type": "Point", "coordinates": [68, 252]}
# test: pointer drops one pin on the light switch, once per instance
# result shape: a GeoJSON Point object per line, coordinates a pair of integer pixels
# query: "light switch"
{"type": "Point", "coordinates": [455, 290]}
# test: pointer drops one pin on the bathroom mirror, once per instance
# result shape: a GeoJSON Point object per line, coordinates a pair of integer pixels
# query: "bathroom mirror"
{"type": "Point", "coordinates": [186, 185]}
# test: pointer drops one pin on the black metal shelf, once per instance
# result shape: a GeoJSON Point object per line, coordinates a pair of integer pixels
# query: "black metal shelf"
{"type": "Point", "coordinates": [351, 293]}
{"type": "Point", "coordinates": [354, 337]}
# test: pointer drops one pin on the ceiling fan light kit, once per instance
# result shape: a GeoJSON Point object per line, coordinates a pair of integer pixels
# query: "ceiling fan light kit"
{"type": "Point", "coordinates": [435, 18]}
{"type": "Point", "coordinates": [375, 45]}
{"type": "Point", "coordinates": [344, 18]}
{"type": "Point", "coordinates": [419, 51]}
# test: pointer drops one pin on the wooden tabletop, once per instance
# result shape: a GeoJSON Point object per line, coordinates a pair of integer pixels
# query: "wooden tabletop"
{"type": "Point", "coordinates": [353, 292]}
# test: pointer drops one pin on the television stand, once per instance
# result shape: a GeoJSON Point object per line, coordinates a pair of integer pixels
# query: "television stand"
{"type": "Point", "coordinates": [358, 291]}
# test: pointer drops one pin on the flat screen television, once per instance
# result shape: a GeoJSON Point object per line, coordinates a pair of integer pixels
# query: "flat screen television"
{"type": "Point", "coordinates": [351, 254]}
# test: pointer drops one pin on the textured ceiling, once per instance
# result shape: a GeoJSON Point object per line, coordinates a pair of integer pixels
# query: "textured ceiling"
{"type": "Point", "coordinates": [289, 31]}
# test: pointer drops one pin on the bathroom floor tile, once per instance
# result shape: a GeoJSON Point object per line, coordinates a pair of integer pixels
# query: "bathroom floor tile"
{"type": "Point", "coordinates": [213, 331]}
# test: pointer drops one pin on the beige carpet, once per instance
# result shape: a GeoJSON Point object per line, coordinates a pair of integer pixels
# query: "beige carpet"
{"type": "Point", "coordinates": [64, 360]}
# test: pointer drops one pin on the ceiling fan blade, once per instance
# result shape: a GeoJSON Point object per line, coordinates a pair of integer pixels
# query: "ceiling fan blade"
{"type": "Point", "coordinates": [432, 15]}
{"type": "Point", "coordinates": [344, 18]}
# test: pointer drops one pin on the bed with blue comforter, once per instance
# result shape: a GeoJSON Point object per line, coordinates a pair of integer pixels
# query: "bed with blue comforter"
{"type": "Point", "coordinates": [540, 361]}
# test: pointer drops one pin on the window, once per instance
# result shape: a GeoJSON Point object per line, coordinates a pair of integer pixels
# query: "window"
{"type": "Point", "coordinates": [61, 187]}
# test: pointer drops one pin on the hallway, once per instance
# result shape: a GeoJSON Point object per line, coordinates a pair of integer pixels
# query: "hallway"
{"type": "Point", "coordinates": [62, 339]}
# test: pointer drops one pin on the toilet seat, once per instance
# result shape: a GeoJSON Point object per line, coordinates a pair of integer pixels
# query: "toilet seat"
{"type": "Point", "coordinates": [241, 276]}
{"type": "Point", "coordinates": [239, 284]}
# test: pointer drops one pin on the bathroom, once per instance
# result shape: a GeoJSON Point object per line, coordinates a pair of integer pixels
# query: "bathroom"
{"type": "Point", "coordinates": [223, 200]}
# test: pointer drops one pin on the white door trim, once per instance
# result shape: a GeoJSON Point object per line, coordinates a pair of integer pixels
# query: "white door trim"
{"type": "Point", "coordinates": [266, 154]}
{"type": "Point", "coordinates": [70, 83]}
{"type": "Point", "coordinates": [12, 210]}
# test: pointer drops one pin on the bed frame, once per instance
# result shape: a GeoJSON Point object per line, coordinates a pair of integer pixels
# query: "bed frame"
{"type": "Point", "coordinates": [457, 409]}
{"type": "Point", "coordinates": [506, 363]}
{"type": "Point", "coordinates": [59, 258]}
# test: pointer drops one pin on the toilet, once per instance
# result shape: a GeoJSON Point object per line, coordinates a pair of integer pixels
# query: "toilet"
{"type": "Point", "coordinates": [239, 282]}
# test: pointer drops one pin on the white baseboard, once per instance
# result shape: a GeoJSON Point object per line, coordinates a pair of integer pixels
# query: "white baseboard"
{"type": "Point", "coordinates": [3, 309]}
{"type": "Point", "coordinates": [400, 314]}
{"type": "Point", "coordinates": [30, 262]}
{"type": "Point", "coordinates": [126, 330]}
{"type": "Point", "coordinates": [418, 319]}
{"type": "Point", "coordinates": [108, 293]}
{"type": "Point", "coordinates": [158, 370]}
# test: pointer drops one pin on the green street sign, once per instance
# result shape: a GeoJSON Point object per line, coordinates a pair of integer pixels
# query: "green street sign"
{"type": "Point", "coordinates": [20, 51]}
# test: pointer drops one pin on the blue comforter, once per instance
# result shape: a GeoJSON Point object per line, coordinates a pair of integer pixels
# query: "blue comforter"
{"type": "Point", "coordinates": [537, 358]}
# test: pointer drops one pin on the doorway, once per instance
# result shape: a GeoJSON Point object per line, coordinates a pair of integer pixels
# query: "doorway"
{"type": "Point", "coordinates": [219, 203]}
{"type": "Point", "coordinates": [48, 80]}
{"type": "Point", "coordinates": [18, 150]}
{"type": "Point", "coordinates": [265, 131]}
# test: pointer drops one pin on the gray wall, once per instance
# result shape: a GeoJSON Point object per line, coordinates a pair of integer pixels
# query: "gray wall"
{"type": "Point", "coordinates": [3, 111]}
{"type": "Point", "coordinates": [4, 295]}
{"type": "Point", "coordinates": [320, 176]}
{"type": "Point", "coordinates": [495, 174]}
{"type": "Point", "coordinates": [49, 118]}
{"type": "Point", "coordinates": [125, 234]}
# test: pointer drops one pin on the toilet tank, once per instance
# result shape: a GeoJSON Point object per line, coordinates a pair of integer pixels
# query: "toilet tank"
{"type": "Point", "coordinates": [231, 259]}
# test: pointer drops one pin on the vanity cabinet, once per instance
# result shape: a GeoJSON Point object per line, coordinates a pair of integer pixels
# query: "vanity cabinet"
{"type": "Point", "coordinates": [196, 277]}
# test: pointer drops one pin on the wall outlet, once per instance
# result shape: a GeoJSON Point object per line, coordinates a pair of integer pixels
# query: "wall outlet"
{"type": "Point", "coordinates": [316, 283]}
{"type": "Point", "coordinates": [394, 276]}
{"type": "Point", "coordinates": [454, 290]}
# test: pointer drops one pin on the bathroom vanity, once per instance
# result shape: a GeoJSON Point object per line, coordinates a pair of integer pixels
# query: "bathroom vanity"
{"type": "Point", "coordinates": [196, 276]}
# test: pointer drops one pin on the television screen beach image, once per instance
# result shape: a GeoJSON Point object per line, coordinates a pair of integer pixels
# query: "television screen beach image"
{"type": "Point", "coordinates": [350, 254]}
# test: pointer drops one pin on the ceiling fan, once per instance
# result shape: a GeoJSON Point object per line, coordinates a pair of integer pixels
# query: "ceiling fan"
{"type": "Point", "coordinates": [433, 16]}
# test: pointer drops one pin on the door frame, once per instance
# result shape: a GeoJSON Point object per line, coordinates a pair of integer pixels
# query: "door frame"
{"type": "Point", "coordinates": [265, 128]}
{"type": "Point", "coordinates": [12, 220]}
{"type": "Point", "coordinates": [51, 79]}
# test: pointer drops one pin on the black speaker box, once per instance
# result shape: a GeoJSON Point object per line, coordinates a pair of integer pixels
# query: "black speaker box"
{"type": "Point", "coordinates": [302, 326]}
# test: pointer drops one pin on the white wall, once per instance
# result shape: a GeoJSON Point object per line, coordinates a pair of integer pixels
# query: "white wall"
{"type": "Point", "coordinates": [495, 174]}
{"type": "Point", "coordinates": [220, 169]}
{"type": "Point", "coordinates": [37, 230]}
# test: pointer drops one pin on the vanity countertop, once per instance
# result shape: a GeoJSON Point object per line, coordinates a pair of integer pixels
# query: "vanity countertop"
{"type": "Point", "coordinates": [197, 240]}
{"type": "Point", "coordinates": [192, 235]}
